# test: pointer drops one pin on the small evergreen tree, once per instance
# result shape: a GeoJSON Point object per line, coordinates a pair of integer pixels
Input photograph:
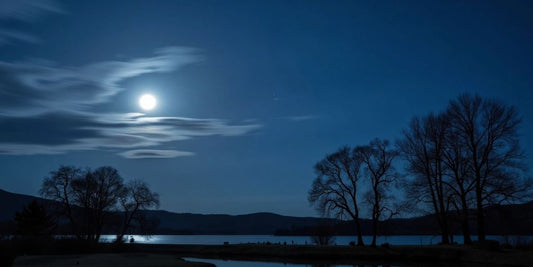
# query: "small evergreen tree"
{"type": "Point", "coordinates": [34, 221]}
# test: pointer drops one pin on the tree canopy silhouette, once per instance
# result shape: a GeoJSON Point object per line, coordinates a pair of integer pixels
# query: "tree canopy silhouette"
{"type": "Point", "coordinates": [377, 158]}
{"type": "Point", "coordinates": [488, 130]}
{"type": "Point", "coordinates": [89, 197]}
{"type": "Point", "coordinates": [335, 189]}
{"type": "Point", "coordinates": [137, 196]}
{"type": "Point", "coordinates": [466, 157]}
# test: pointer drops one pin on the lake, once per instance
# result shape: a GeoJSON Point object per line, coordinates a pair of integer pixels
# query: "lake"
{"type": "Point", "coordinates": [301, 240]}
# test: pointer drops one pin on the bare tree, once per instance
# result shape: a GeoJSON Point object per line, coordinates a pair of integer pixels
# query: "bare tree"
{"type": "Point", "coordinates": [377, 159]}
{"type": "Point", "coordinates": [423, 146]}
{"type": "Point", "coordinates": [109, 188]}
{"type": "Point", "coordinates": [334, 190]}
{"type": "Point", "coordinates": [488, 130]}
{"type": "Point", "coordinates": [87, 196]}
{"type": "Point", "coordinates": [137, 196]}
{"type": "Point", "coordinates": [460, 182]}
{"type": "Point", "coordinates": [58, 187]}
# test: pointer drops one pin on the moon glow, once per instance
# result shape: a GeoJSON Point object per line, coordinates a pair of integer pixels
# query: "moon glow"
{"type": "Point", "coordinates": [147, 102]}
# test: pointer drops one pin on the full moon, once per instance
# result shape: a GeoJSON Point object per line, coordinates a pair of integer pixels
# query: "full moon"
{"type": "Point", "coordinates": [147, 102]}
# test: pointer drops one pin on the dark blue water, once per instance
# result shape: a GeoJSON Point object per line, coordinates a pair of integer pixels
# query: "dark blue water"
{"type": "Point", "coordinates": [302, 240]}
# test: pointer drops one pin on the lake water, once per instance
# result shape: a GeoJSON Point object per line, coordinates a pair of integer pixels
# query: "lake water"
{"type": "Point", "coordinates": [301, 240]}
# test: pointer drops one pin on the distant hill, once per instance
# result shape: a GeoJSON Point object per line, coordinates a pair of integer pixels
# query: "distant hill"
{"type": "Point", "coordinates": [506, 219]}
{"type": "Point", "coordinates": [12, 202]}
{"type": "Point", "coordinates": [256, 223]}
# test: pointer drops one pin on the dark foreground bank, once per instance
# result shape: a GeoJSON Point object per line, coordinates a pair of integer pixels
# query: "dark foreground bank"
{"type": "Point", "coordinates": [67, 250]}
{"type": "Point", "coordinates": [107, 260]}
{"type": "Point", "coordinates": [347, 254]}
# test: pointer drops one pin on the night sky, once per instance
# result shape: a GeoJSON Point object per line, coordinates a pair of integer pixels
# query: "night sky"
{"type": "Point", "coordinates": [250, 93]}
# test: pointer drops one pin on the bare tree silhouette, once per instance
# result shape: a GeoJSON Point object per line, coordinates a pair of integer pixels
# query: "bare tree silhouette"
{"type": "Point", "coordinates": [423, 146]}
{"type": "Point", "coordinates": [136, 196]}
{"type": "Point", "coordinates": [488, 130]}
{"type": "Point", "coordinates": [88, 198]}
{"type": "Point", "coordinates": [460, 183]}
{"type": "Point", "coordinates": [334, 190]}
{"type": "Point", "coordinates": [58, 187]}
{"type": "Point", "coordinates": [467, 156]}
{"type": "Point", "coordinates": [377, 160]}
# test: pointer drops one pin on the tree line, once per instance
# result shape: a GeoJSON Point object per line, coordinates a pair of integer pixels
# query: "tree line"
{"type": "Point", "coordinates": [455, 162]}
{"type": "Point", "coordinates": [88, 199]}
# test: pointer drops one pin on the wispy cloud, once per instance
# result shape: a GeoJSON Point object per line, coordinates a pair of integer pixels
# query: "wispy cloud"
{"type": "Point", "coordinates": [154, 153]}
{"type": "Point", "coordinates": [24, 11]}
{"type": "Point", "coordinates": [28, 10]}
{"type": "Point", "coordinates": [50, 110]}
{"type": "Point", "coordinates": [301, 118]}
{"type": "Point", "coordinates": [42, 87]}
{"type": "Point", "coordinates": [10, 36]}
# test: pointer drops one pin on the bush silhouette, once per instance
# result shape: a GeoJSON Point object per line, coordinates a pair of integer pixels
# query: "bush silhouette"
{"type": "Point", "coordinates": [33, 221]}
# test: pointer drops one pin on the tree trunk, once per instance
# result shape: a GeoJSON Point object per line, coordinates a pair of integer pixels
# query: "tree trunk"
{"type": "Point", "coordinates": [375, 217]}
{"type": "Point", "coordinates": [127, 222]}
{"type": "Point", "coordinates": [359, 233]}
{"type": "Point", "coordinates": [375, 213]}
{"type": "Point", "coordinates": [465, 222]}
{"type": "Point", "coordinates": [479, 193]}
{"type": "Point", "coordinates": [466, 231]}
{"type": "Point", "coordinates": [480, 219]}
{"type": "Point", "coordinates": [438, 208]}
{"type": "Point", "coordinates": [443, 209]}
{"type": "Point", "coordinates": [374, 231]}
{"type": "Point", "coordinates": [445, 229]}
{"type": "Point", "coordinates": [444, 234]}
